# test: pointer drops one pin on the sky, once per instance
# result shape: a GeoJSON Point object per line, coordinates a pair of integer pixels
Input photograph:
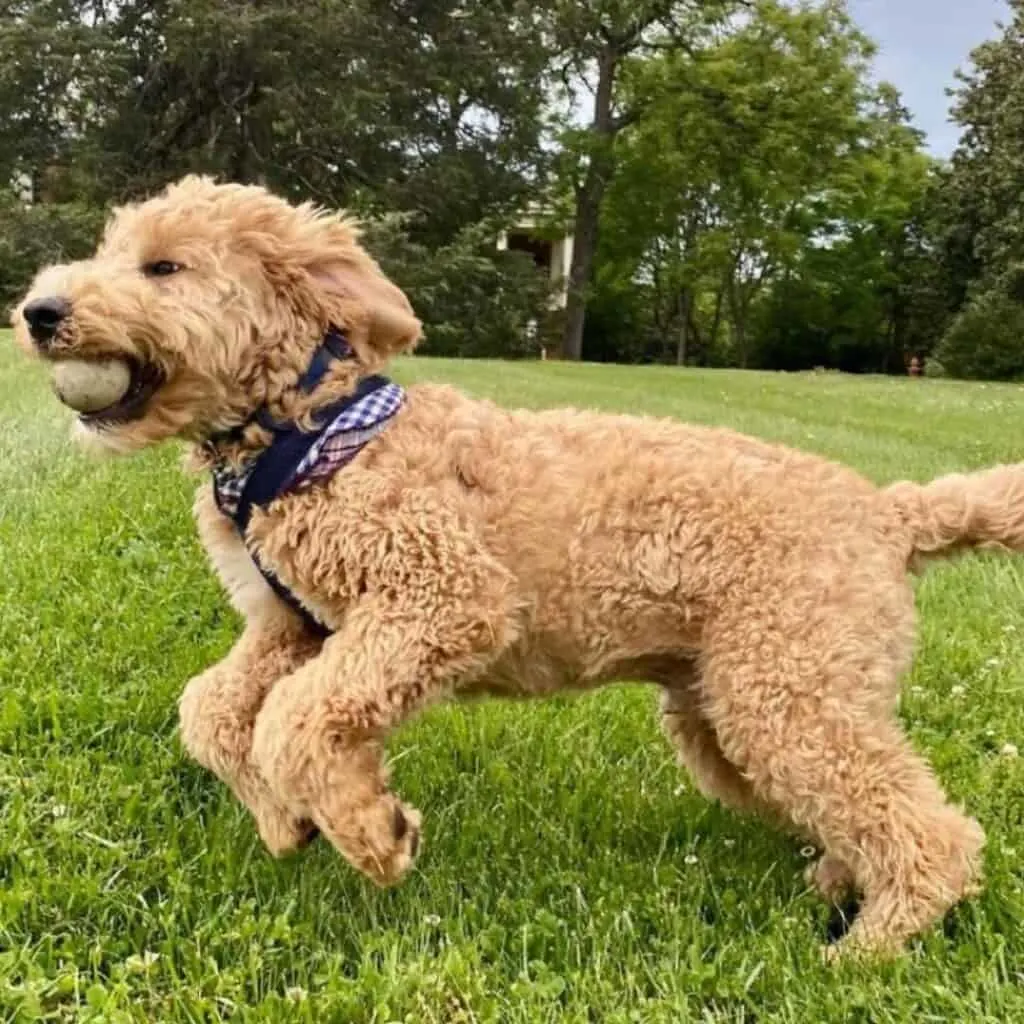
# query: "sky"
{"type": "Point", "coordinates": [921, 44]}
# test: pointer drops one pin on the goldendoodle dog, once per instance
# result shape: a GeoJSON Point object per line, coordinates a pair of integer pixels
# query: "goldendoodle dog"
{"type": "Point", "coordinates": [389, 549]}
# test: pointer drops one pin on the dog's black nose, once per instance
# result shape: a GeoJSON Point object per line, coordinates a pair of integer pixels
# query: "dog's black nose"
{"type": "Point", "coordinates": [44, 316]}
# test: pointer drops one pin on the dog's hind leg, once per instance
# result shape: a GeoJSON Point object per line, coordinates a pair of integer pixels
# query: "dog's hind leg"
{"type": "Point", "coordinates": [832, 877]}
{"type": "Point", "coordinates": [217, 711]}
{"type": "Point", "coordinates": [807, 714]}
{"type": "Point", "coordinates": [718, 778]}
{"type": "Point", "coordinates": [696, 743]}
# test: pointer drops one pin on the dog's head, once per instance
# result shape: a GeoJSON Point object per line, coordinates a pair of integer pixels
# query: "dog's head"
{"type": "Point", "coordinates": [202, 305]}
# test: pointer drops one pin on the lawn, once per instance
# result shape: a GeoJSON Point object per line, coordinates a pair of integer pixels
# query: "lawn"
{"type": "Point", "coordinates": [570, 873]}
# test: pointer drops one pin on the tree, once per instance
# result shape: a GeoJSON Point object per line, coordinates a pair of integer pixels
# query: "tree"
{"type": "Point", "coordinates": [428, 105]}
{"type": "Point", "coordinates": [32, 236]}
{"type": "Point", "coordinates": [877, 266]}
{"type": "Point", "coordinates": [741, 193]}
{"type": "Point", "coordinates": [977, 211]}
{"type": "Point", "coordinates": [52, 55]}
{"type": "Point", "coordinates": [761, 168]}
{"type": "Point", "coordinates": [472, 301]}
{"type": "Point", "coordinates": [592, 43]}
{"type": "Point", "coordinates": [988, 163]}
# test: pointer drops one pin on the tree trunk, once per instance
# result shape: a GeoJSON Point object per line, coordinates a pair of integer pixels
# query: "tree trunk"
{"type": "Point", "coordinates": [737, 314]}
{"type": "Point", "coordinates": [896, 354]}
{"type": "Point", "coordinates": [685, 303]}
{"type": "Point", "coordinates": [716, 322]}
{"type": "Point", "coordinates": [589, 198]}
{"type": "Point", "coordinates": [698, 345]}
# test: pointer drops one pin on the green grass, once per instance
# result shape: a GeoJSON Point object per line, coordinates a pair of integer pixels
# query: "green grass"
{"type": "Point", "coordinates": [569, 873]}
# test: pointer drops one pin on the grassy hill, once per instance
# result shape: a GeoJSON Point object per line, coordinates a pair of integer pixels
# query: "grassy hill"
{"type": "Point", "coordinates": [570, 872]}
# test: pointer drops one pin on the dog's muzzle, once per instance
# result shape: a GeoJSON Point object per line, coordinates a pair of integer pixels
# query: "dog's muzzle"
{"type": "Point", "coordinates": [44, 318]}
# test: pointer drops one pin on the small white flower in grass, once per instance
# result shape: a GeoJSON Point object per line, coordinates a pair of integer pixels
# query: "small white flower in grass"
{"type": "Point", "coordinates": [729, 843]}
{"type": "Point", "coordinates": [432, 920]}
{"type": "Point", "coordinates": [296, 994]}
{"type": "Point", "coordinates": [1010, 750]}
{"type": "Point", "coordinates": [59, 811]}
{"type": "Point", "coordinates": [680, 789]}
{"type": "Point", "coordinates": [139, 964]}
{"type": "Point", "coordinates": [957, 691]}
{"type": "Point", "coordinates": [690, 858]}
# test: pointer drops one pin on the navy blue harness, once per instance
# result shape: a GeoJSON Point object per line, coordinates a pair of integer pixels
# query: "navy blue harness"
{"type": "Point", "coordinates": [276, 465]}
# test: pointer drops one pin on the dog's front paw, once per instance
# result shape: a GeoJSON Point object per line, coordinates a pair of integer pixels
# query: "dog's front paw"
{"type": "Point", "coordinates": [397, 845]}
{"type": "Point", "coordinates": [381, 840]}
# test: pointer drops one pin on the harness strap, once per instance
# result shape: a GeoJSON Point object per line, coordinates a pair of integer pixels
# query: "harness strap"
{"type": "Point", "coordinates": [275, 465]}
{"type": "Point", "coordinates": [334, 346]}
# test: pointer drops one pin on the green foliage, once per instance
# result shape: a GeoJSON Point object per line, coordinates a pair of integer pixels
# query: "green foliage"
{"type": "Point", "coordinates": [594, 44]}
{"type": "Point", "coordinates": [33, 236]}
{"type": "Point", "coordinates": [978, 215]}
{"type": "Point", "coordinates": [432, 107]}
{"type": "Point", "coordinates": [51, 59]}
{"type": "Point", "coordinates": [986, 339]}
{"type": "Point", "coordinates": [740, 190]}
{"type": "Point", "coordinates": [768, 201]}
{"type": "Point", "coordinates": [473, 300]}
{"type": "Point", "coordinates": [396, 105]}
{"type": "Point", "coordinates": [984, 186]}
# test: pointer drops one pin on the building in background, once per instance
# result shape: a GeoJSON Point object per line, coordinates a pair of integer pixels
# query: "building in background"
{"type": "Point", "coordinates": [551, 252]}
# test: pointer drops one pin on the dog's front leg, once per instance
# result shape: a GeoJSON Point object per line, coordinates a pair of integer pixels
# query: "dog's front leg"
{"type": "Point", "coordinates": [320, 734]}
{"type": "Point", "coordinates": [218, 709]}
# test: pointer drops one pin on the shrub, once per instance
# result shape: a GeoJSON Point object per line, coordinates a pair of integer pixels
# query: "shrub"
{"type": "Point", "coordinates": [472, 299]}
{"type": "Point", "coordinates": [33, 236]}
{"type": "Point", "coordinates": [986, 340]}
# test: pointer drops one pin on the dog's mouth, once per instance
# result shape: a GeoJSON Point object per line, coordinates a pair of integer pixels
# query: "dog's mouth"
{"type": "Point", "coordinates": [146, 380]}
{"type": "Point", "coordinates": [106, 392]}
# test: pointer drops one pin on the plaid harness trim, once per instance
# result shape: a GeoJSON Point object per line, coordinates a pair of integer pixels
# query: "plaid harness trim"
{"type": "Point", "coordinates": [296, 458]}
{"type": "Point", "coordinates": [338, 442]}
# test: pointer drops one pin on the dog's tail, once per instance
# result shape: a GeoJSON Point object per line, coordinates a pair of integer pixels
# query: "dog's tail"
{"type": "Point", "coordinates": [961, 511]}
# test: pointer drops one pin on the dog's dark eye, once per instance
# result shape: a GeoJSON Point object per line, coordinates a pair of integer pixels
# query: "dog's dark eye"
{"type": "Point", "coordinates": [161, 268]}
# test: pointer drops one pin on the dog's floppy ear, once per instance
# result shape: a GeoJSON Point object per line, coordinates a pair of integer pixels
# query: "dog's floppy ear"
{"type": "Point", "coordinates": [375, 311]}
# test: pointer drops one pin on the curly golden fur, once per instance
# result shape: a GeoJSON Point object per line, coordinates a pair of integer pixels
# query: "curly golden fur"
{"type": "Point", "coordinates": [475, 550]}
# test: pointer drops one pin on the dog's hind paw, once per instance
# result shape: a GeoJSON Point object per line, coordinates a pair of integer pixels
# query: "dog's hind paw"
{"type": "Point", "coordinates": [831, 878]}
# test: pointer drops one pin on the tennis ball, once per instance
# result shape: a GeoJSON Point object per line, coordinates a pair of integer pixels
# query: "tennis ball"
{"type": "Point", "coordinates": [89, 385]}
